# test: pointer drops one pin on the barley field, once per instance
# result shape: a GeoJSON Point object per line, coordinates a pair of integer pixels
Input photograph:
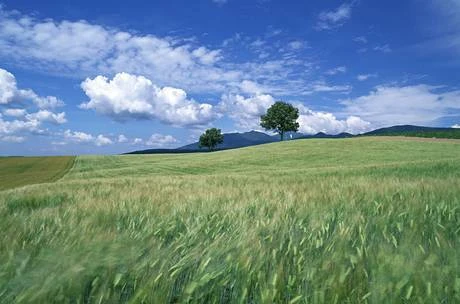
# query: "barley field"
{"type": "Point", "coordinates": [363, 220]}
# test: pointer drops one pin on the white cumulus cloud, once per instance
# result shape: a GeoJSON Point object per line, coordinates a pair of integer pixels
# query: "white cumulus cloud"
{"type": "Point", "coordinates": [363, 77]}
{"type": "Point", "coordinates": [24, 111]}
{"type": "Point", "coordinates": [15, 112]}
{"type": "Point", "coordinates": [296, 45]}
{"type": "Point", "coordinates": [383, 48]}
{"type": "Point", "coordinates": [360, 39]}
{"type": "Point", "coordinates": [69, 47]}
{"type": "Point", "coordinates": [12, 139]}
{"type": "Point", "coordinates": [159, 140]}
{"type": "Point", "coordinates": [19, 126]}
{"type": "Point", "coordinates": [129, 96]}
{"type": "Point", "coordinates": [246, 111]}
{"type": "Point", "coordinates": [81, 48]}
{"type": "Point", "coordinates": [47, 116]}
{"type": "Point", "coordinates": [122, 138]}
{"type": "Point", "coordinates": [321, 86]}
{"type": "Point", "coordinates": [391, 105]}
{"type": "Point", "coordinates": [78, 136]}
{"type": "Point", "coordinates": [337, 70]}
{"type": "Point", "coordinates": [456, 126]}
{"type": "Point", "coordinates": [10, 94]}
{"type": "Point", "coordinates": [312, 122]}
{"type": "Point", "coordinates": [101, 140]}
{"type": "Point", "coordinates": [8, 88]}
{"type": "Point", "coordinates": [333, 19]}
{"type": "Point", "coordinates": [82, 137]}
{"type": "Point", "coordinates": [31, 123]}
{"type": "Point", "coordinates": [137, 141]}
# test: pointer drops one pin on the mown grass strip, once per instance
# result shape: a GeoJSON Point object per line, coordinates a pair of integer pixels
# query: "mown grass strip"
{"type": "Point", "coordinates": [21, 171]}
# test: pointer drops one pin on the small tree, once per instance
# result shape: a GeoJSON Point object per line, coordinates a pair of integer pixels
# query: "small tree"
{"type": "Point", "coordinates": [211, 138]}
{"type": "Point", "coordinates": [281, 117]}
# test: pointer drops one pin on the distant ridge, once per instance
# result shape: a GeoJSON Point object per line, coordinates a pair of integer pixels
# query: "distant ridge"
{"type": "Point", "coordinates": [231, 141]}
{"type": "Point", "coordinates": [237, 140]}
{"type": "Point", "coordinates": [163, 151]}
{"type": "Point", "coordinates": [416, 131]}
{"type": "Point", "coordinates": [406, 128]}
{"type": "Point", "coordinates": [252, 138]}
{"type": "Point", "coordinates": [324, 135]}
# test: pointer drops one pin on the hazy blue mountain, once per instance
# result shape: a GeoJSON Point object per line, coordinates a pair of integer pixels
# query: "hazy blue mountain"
{"type": "Point", "coordinates": [405, 128]}
{"type": "Point", "coordinates": [324, 135]}
{"type": "Point", "coordinates": [237, 140]}
{"type": "Point", "coordinates": [161, 151]}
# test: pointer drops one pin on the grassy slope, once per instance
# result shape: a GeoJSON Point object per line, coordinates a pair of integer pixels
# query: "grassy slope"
{"type": "Point", "coordinates": [20, 171]}
{"type": "Point", "coordinates": [368, 219]}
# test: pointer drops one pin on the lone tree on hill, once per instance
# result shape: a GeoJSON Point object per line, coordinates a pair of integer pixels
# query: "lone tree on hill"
{"type": "Point", "coordinates": [281, 117]}
{"type": "Point", "coordinates": [211, 138]}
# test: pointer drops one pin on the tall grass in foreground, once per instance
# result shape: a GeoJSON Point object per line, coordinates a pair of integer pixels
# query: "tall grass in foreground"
{"type": "Point", "coordinates": [346, 221]}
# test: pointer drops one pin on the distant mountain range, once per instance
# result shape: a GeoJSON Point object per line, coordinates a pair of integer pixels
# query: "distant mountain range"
{"type": "Point", "coordinates": [409, 129]}
{"type": "Point", "coordinates": [324, 135]}
{"type": "Point", "coordinates": [239, 140]}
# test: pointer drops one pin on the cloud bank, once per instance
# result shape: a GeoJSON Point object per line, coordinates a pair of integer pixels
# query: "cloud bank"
{"type": "Point", "coordinates": [246, 112]}
{"type": "Point", "coordinates": [80, 48]}
{"type": "Point", "coordinates": [390, 105]}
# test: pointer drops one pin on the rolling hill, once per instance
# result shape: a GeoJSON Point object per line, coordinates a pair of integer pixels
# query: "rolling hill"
{"type": "Point", "coordinates": [252, 138]}
{"type": "Point", "coordinates": [359, 220]}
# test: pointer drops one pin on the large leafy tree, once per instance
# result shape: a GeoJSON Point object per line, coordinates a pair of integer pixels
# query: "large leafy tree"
{"type": "Point", "coordinates": [281, 117]}
{"type": "Point", "coordinates": [211, 138]}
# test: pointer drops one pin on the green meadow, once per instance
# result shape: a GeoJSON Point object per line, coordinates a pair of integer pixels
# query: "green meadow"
{"type": "Point", "coordinates": [362, 220]}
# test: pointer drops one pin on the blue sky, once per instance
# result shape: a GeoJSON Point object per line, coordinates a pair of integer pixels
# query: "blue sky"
{"type": "Point", "coordinates": [92, 77]}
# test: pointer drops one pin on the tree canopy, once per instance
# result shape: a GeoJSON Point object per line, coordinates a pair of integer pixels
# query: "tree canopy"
{"type": "Point", "coordinates": [211, 138]}
{"type": "Point", "coordinates": [281, 117]}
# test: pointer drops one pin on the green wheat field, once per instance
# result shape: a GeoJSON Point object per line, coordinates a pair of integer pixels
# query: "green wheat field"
{"type": "Point", "coordinates": [363, 220]}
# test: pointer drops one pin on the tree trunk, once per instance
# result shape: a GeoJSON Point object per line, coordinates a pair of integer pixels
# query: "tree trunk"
{"type": "Point", "coordinates": [282, 135]}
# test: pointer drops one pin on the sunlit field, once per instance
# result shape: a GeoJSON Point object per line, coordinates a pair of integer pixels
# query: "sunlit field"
{"type": "Point", "coordinates": [364, 220]}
